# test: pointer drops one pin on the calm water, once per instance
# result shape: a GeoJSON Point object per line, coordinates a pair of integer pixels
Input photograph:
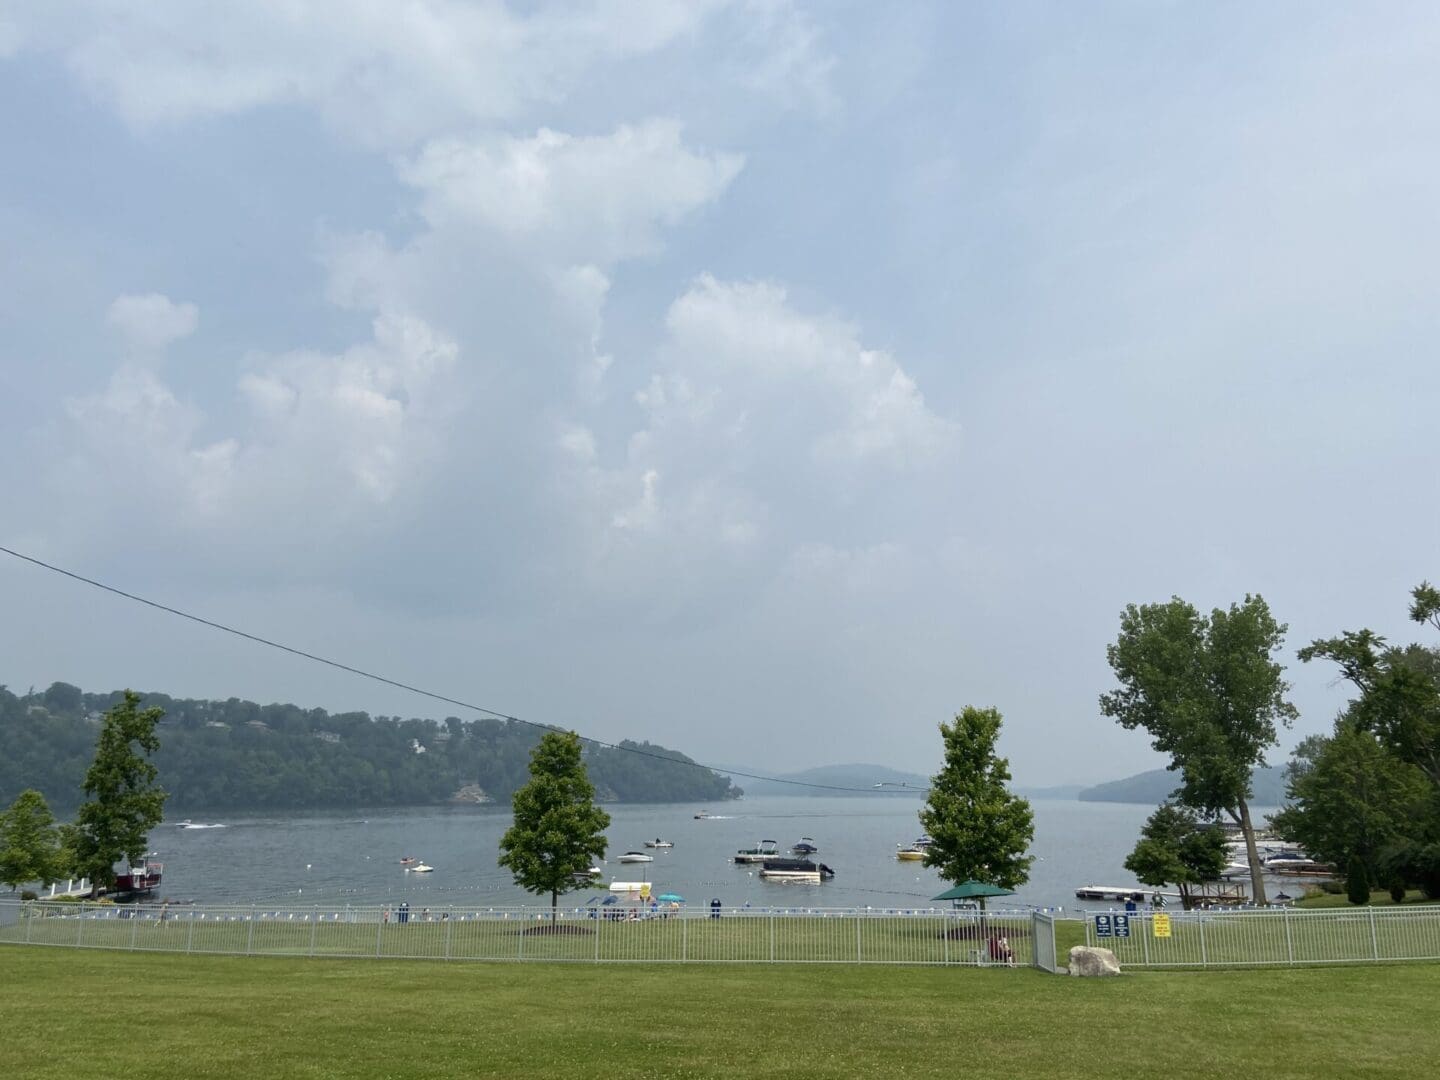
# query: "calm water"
{"type": "Point", "coordinates": [334, 859]}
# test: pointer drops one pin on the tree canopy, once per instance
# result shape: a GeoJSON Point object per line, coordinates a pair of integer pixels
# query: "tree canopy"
{"type": "Point", "coordinates": [124, 801]}
{"type": "Point", "coordinates": [1176, 848]}
{"type": "Point", "coordinates": [1210, 695]}
{"type": "Point", "coordinates": [558, 832]}
{"type": "Point", "coordinates": [980, 831]}
{"type": "Point", "coordinates": [29, 841]}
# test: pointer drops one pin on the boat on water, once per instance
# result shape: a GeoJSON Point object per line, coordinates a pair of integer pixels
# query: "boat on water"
{"type": "Point", "coordinates": [188, 824]}
{"type": "Point", "coordinates": [804, 846]}
{"type": "Point", "coordinates": [588, 875]}
{"type": "Point", "coordinates": [420, 868]}
{"type": "Point", "coordinates": [803, 871]}
{"type": "Point", "coordinates": [701, 816]}
{"type": "Point", "coordinates": [909, 854]}
{"type": "Point", "coordinates": [136, 882]}
{"type": "Point", "coordinates": [766, 849]}
{"type": "Point", "coordinates": [658, 843]}
{"type": "Point", "coordinates": [636, 857]}
{"type": "Point", "coordinates": [409, 860]}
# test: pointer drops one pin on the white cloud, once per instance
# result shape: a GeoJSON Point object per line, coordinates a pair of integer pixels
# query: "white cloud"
{"type": "Point", "coordinates": [586, 198]}
{"type": "Point", "coordinates": [385, 72]}
{"type": "Point", "coordinates": [150, 322]}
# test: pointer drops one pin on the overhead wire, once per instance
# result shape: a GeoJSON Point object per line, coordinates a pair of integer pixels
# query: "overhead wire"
{"type": "Point", "coordinates": [433, 695]}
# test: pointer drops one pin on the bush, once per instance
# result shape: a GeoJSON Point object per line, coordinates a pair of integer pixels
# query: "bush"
{"type": "Point", "coordinates": [1397, 889]}
{"type": "Point", "coordinates": [1331, 888]}
{"type": "Point", "coordinates": [29, 894]}
{"type": "Point", "coordinates": [1357, 881]}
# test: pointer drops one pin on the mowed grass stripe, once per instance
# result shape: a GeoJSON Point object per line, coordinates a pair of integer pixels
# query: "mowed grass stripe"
{"type": "Point", "coordinates": [69, 1013]}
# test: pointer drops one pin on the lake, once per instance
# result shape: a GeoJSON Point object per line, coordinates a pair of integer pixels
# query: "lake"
{"type": "Point", "coordinates": [333, 859]}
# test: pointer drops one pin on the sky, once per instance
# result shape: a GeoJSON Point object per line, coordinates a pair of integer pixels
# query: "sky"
{"type": "Point", "coordinates": [768, 380]}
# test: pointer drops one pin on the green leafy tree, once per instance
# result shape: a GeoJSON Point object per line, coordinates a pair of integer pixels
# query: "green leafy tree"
{"type": "Point", "coordinates": [1350, 798]}
{"type": "Point", "coordinates": [1209, 694]}
{"type": "Point", "coordinates": [981, 832]}
{"type": "Point", "coordinates": [1357, 881]}
{"type": "Point", "coordinates": [558, 832]}
{"type": "Point", "coordinates": [29, 843]}
{"type": "Point", "coordinates": [1174, 847]}
{"type": "Point", "coordinates": [124, 801]}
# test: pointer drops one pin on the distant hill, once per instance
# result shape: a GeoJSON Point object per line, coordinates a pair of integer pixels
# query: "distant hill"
{"type": "Point", "coordinates": [860, 777]}
{"type": "Point", "coordinates": [1058, 791]}
{"type": "Point", "coordinates": [1155, 786]}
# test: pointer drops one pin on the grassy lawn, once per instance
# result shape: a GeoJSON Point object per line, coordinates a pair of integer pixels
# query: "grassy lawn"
{"type": "Point", "coordinates": [1380, 898]}
{"type": "Point", "coordinates": [70, 1013]}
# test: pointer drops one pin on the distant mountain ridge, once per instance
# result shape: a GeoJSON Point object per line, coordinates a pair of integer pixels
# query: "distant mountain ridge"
{"type": "Point", "coordinates": [859, 778]}
{"type": "Point", "coordinates": [1155, 786]}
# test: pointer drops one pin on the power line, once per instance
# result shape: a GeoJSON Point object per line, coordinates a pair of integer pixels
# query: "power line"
{"type": "Point", "coordinates": [313, 657]}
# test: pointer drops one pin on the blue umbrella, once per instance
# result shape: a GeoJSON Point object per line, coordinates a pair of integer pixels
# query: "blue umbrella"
{"type": "Point", "coordinates": [670, 898]}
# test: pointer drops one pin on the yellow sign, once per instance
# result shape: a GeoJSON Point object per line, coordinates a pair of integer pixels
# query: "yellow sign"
{"type": "Point", "coordinates": [1161, 922]}
{"type": "Point", "coordinates": [645, 893]}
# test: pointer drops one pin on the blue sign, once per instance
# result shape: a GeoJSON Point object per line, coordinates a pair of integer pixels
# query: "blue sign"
{"type": "Point", "coordinates": [1102, 926]}
{"type": "Point", "coordinates": [1122, 925]}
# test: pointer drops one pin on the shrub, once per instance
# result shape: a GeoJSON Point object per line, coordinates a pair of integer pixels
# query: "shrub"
{"type": "Point", "coordinates": [1397, 889]}
{"type": "Point", "coordinates": [29, 894]}
{"type": "Point", "coordinates": [1331, 888]}
{"type": "Point", "coordinates": [1357, 881]}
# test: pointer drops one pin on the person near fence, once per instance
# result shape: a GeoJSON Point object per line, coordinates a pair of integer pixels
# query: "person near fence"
{"type": "Point", "coordinates": [1000, 951]}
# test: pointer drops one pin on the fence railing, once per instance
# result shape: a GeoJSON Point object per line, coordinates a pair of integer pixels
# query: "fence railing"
{"type": "Point", "coordinates": [594, 934]}
{"type": "Point", "coordinates": [1268, 936]}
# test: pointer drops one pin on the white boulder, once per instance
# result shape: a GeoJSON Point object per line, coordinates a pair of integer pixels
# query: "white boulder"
{"type": "Point", "coordinates": [1093, 962]}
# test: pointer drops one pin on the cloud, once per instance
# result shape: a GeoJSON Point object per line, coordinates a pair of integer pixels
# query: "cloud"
{"type": "Point", "coordinates": [586, 198]}
{"type": "Point", "coordinates": [150, 322]}
{"type": "Point", "coordinates": [384, 73]}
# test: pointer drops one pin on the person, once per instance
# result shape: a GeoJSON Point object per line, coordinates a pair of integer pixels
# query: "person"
{"type": "Point", "coordinates": [1000, 951]}
{"type": "Point", "coordinates": [385, 914]}
{"type": "Point", "coordinates": [425, 914]}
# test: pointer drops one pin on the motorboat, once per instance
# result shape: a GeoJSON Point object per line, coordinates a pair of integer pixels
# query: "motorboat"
{"type": "Point", "coordinates": [658, 843]}
{"type": "Point", "coordinates": [420, 868]}
{"type": "Point", "coordinates": [636, 857]}
{"type": "Point", "coordinates": [923, 842]}
{"type": "Point", "coordinates": [409, 860]}
{"type": "Point", "coordinates": [909, 854]}
{"type": "Point", "coordinates": [188, 824]}
{"type": "Point", "coordinates": [805, 846]}
{"type": "Point", "coordinates": [583, 876]}
{"type": "Point", "coordinates": [701, 816]}
{"type": "Point", "coordinates": [804, 871]}
{"type": "Point", "coordinates": [766, 849]}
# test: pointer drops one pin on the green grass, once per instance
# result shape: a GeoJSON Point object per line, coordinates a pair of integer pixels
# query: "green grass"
{"type": "Point", "coordinates": [71, 1013]}
{"type": "Point", "coordinates": [1317, 898]}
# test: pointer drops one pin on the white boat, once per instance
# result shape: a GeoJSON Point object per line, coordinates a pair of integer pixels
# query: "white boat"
{"type": "Point", "coordinates": [628, 886]}
{"type": "Point", "coordinates": [420, 868]}
{"type": "Point", "coordinates": [803, 871]}
{"type": "Point", "coordinates": [197, 825]}
{"type": "Point", "coordinates": [766, 849]}
{"type": "Point", "coordinates": [658, 843]}
{"type": "Point", "coordinates": [636, 857]}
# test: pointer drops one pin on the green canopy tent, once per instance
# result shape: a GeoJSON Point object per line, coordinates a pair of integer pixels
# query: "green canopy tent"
{"type": "Point", "coordinates": [973, 890]}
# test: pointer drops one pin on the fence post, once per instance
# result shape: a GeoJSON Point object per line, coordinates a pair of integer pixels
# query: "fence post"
{"type": "Point", "coordinates": [1204, 960]}
{"type": "Point", "coordinates": [134, 928]}
{"type": "Point", "coordinates": [314, 929]}
{"type": "Point", "coordinates": [945, 937]}
{"type": "Point", "coordinates": [858, 958]}
{"type": "Point", "coordinates": [684, 938]}
{"type": "Point", "coordinates": [449, 918]}
{"type": "Point", "coordinates": [80, 927]}
{"type": "Point", "coordinates": [250, 933]}
{"type": "Point", "coordinates": [1146, 928]}
{"type": "Point", "coordinates": [1374, 941]}
{"type": "Point", "coordinates": [1289, 943]}
{"type": "Point", "coordinates": [190, 931]}
{"type": "Point", "coordinates": [599, 922]}
{"type": "Point", "coordinates": [30, 920]}
{"type": "Point", "coordinates": [379, 930]}
{"type": "Point", "coordinates": [521, 935]}
{"type": "Point", "coordinates": [772, 936]}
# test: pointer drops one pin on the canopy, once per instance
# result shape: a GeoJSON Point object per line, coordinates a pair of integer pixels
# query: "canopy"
{"type": "Point", "coordinates": [670, 898]}
{"type": "Point", "coordinates": [973, 890]}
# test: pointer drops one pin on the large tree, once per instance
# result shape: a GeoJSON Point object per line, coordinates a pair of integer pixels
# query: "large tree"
{"type": "Point", "coordinates": [124, 801]}
{"type": "Point", "coordinates": [1174, 847]}
{"type": "Point", "coordinates": [558, 831]}
{"type": "Point", "coordinates": [29, 842]}
{"type": "Point", "coordinates": [980, 831]}
{"type": "Point", "coordinates": [1210, 694]}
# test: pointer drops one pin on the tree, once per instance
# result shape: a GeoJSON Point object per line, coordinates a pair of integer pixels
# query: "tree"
{"type": "Point", "coordinates": [29, 844]}
{"type": "Point", "coordinates": [1174, 847]}
{"type": "Point", "coordinates": [558, 832]}
{"type": "Point", "coordinates": [1357, 881]}
{"type": "Point", "coordinates": [1210, 696]}
{"type": "Point", "coordinates": [980, 831]}
{"type": "Point", "coordinates": [1351, 798]}
{"type": "Point", "coordinates": [124, 802]}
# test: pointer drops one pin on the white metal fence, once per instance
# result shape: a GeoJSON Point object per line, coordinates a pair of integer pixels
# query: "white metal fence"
{"type": "Point", "coordinates": [595, 934]}
{"type": "Point", "coordinates": [1268, 936]}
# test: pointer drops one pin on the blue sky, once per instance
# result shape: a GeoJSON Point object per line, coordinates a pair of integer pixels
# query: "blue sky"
{"type": "Point", "coordinates": [766, 379]}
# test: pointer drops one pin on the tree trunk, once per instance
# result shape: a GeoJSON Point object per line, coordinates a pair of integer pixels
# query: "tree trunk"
{"type": "Point", "coordinates": [1257, 879]}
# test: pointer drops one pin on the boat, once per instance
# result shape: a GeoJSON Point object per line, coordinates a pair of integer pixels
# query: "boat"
{"type": "Point", "coordinates": [136, 881]}
{"type": "Point", "coordinates": [805, 846]}
{"type": "Point", "coordinates": [1138, 893]}
{"type": "Point", "coordinates": [923, 842]}
{"type": "Point", "coordinates": [766, 849]}
{"type": "Point", "coordinates": [701, 816]}
{"type": "Point", "coordinates": [629, 886]}
{"type": "Point", "coordinates": [804, 871]}
{"type": "Point", "coordinates": [409, 860]}
{"type": "Point", "coordinates": [188, 824]}
{"type": "Point", "coordinates": [420, 868]}
{"type": "Point", "coordinates": [583, 876]}
{"type": "Point", "coordinates": [909, 854]}
{"type": "Point", "coordinates": [658, 843]}
{"type": "Point", "coordinates": [636, 857]}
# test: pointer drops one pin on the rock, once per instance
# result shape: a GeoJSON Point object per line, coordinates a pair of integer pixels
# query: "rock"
{"type": "Point", "coordinates": [1093, 962]}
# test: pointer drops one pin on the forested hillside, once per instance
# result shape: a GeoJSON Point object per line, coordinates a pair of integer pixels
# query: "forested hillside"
{"type": "Point", "coordinates": [217, 755]}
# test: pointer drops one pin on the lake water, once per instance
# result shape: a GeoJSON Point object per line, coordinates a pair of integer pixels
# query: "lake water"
{"type": "Point", "coordinates": [354, 858]}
